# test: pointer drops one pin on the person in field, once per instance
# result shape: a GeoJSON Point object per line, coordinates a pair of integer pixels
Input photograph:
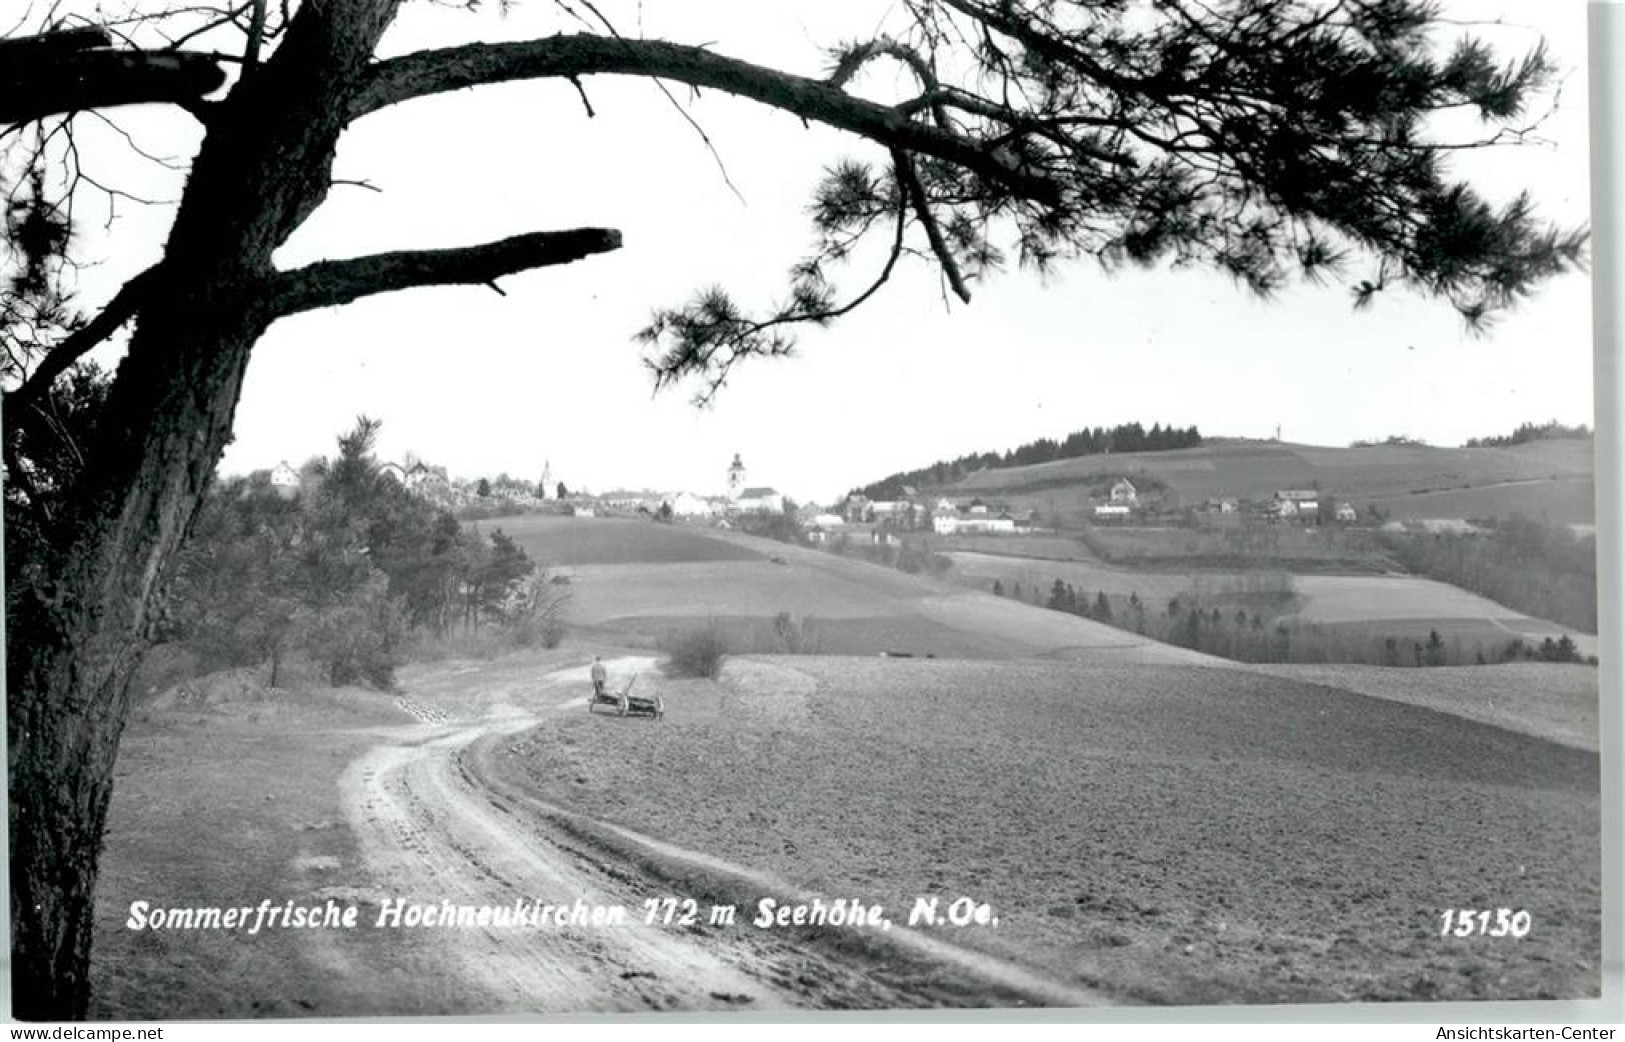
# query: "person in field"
{"type": "Point", "coordinates": [600, 676]}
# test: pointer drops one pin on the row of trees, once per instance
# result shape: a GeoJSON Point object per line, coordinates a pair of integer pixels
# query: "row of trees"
{"type": "Point", "coordinates": [1090, 441]}
{"type": "Point", "coordinates": [1539, 569]}
{"type": "Point", "coordinates": [1529, 432]}
{"type": "Point", "coordinates": [1229, 630]}
{"type": "Point", "coordinates": [340, 574]}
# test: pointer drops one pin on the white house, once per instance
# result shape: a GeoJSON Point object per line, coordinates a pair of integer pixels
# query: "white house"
{"type": "Point", "coordinates": [1347, 514]}
{"type": "Point", "coordinates": [687, 504]}
{"type": "Point", "coordinates": [760, 500]}
{"type": "Point", "coordinates": [285, 480]}
{"type": "Point", "coordinates": [828, 521]}
{"type": "Point", "coordinates": [945, 524]}
{"type": "Point", "coordinates": [1291, 502]}
{"type": "Point", "coordinates": [1125, 492]}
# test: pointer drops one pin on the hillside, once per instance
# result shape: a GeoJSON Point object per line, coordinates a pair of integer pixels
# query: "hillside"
{"type": "Point", "coordinates": [1550, 479]}
{"type": "Point", "coordinates": [634, 583]}
{"type": "Point", "coordinates": [1149, 825]}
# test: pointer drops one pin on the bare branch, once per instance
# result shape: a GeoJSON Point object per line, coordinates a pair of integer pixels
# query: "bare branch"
{"type": "Point", "coordinates": [125, 303]}
{"type": "Point", "coordinates": [256, 35]}
{"type": "Point", "coordinates": [331, 283]}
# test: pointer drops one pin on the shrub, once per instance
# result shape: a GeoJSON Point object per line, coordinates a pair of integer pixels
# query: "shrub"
{"type": "Point", "coordinates": [795, 634]}
{"type": "Point", "coordinates": [697, 652]}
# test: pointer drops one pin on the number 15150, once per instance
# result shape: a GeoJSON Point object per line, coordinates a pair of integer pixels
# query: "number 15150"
{"type": "Point", "coordinates": [1469, 922]}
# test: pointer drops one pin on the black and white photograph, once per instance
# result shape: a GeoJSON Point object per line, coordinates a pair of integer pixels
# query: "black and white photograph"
{"type": "Point", "coordinates": [575, 508]}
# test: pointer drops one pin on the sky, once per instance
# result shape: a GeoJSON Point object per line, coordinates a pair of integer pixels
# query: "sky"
{"type": "Point", "coordinates": [549, 373]}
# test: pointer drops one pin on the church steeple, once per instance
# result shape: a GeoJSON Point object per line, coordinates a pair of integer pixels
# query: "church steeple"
{"type": "Point", "coordinates": [736, 478]}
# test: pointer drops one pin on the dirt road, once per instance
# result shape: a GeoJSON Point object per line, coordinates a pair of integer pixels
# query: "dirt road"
{"type": "Point", "coordinates": [431, 831]}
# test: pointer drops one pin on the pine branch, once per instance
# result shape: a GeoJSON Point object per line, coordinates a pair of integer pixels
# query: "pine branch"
{"type": "Point", "coordinates": [430, 72]}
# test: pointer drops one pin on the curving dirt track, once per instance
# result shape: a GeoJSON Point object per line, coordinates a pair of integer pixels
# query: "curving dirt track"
{"type": "Point", "coordinates": [431, 831]}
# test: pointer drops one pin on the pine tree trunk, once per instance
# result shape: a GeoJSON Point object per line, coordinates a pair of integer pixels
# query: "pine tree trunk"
{"type": "Point", "coordinates": [74, 643]}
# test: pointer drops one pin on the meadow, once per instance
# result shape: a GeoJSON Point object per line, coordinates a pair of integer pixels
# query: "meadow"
{"type": "Point", "coordinates": [553, 540]}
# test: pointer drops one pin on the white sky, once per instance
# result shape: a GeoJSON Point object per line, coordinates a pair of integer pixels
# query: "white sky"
{"type": "Point", "coordinates": [483, 383]}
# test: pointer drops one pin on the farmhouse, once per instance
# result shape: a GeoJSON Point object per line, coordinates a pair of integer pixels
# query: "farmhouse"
{"type": "Point", "coordinates": [285, 480]}
{"type": "Point", "coordinates": [1296, 502]}
{"type": "Point", "coordinates": [1124, 492]}
{"type": "Point", "coordinates": [687, 504]}
{"type": "Point", "coordinates": [1346, 513]}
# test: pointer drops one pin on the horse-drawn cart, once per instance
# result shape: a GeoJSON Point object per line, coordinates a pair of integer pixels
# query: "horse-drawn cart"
{"type": "Point", "coordinates": [625, 703]}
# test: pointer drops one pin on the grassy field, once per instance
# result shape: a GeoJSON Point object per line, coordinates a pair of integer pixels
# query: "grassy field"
{"type": "Point", "coordinates": [1038, 547]}
{"type": "Point", "coordinates": [1241, 547]}
{"type": "Point", "coordinates": [1372, 598]}
{"type": "Point", "coordinates": [1165, 834]}
{"type": "Point", "coordinates": [553, 541]}
{"type": "Point", "coordinates": [1354, 614]}
{"type": "Point", "coordinates": [981, 570]}
{"type": "Point", "coordinates": [857, 607]}
{"type": "Point", "coordinates": [1549, 479]}
{"type": "Point", "coordinates": [1557, 703]}
{"type": "Point", "coordinates": [1565, 500]}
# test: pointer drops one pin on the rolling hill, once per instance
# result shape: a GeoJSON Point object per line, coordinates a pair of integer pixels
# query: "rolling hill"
{"type": "Point", "coordinates": [1548, 479]}
{"type": "Point", "coordinates": [634, 583]}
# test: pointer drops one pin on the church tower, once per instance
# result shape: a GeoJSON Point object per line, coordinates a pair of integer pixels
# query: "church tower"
{"type": "Point", "coordinates": [546, 489]}
{"type": "Point", "coordinates": [736, 479]}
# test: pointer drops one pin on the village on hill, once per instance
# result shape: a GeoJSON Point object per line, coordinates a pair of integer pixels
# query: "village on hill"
{"type": "Point", "coordinates": [1121, 501]}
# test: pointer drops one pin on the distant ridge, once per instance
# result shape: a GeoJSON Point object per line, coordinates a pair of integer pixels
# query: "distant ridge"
{"type": "Point", "coordinates": [1090, 441]}
{"type": "Point", "coordinates": [1547, 479]}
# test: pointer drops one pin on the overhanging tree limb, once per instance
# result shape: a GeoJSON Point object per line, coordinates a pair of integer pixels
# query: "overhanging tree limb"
{"type": "Point", "coordinates": [75, 70]}
{"type": "Point", "coordinates": [330, 283]}
{"type": "Point", "coordinates": [438, 71]}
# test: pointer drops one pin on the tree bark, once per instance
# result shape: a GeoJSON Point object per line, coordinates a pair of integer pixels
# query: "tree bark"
{"type": "Point", "coordinates": [74, 643]}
